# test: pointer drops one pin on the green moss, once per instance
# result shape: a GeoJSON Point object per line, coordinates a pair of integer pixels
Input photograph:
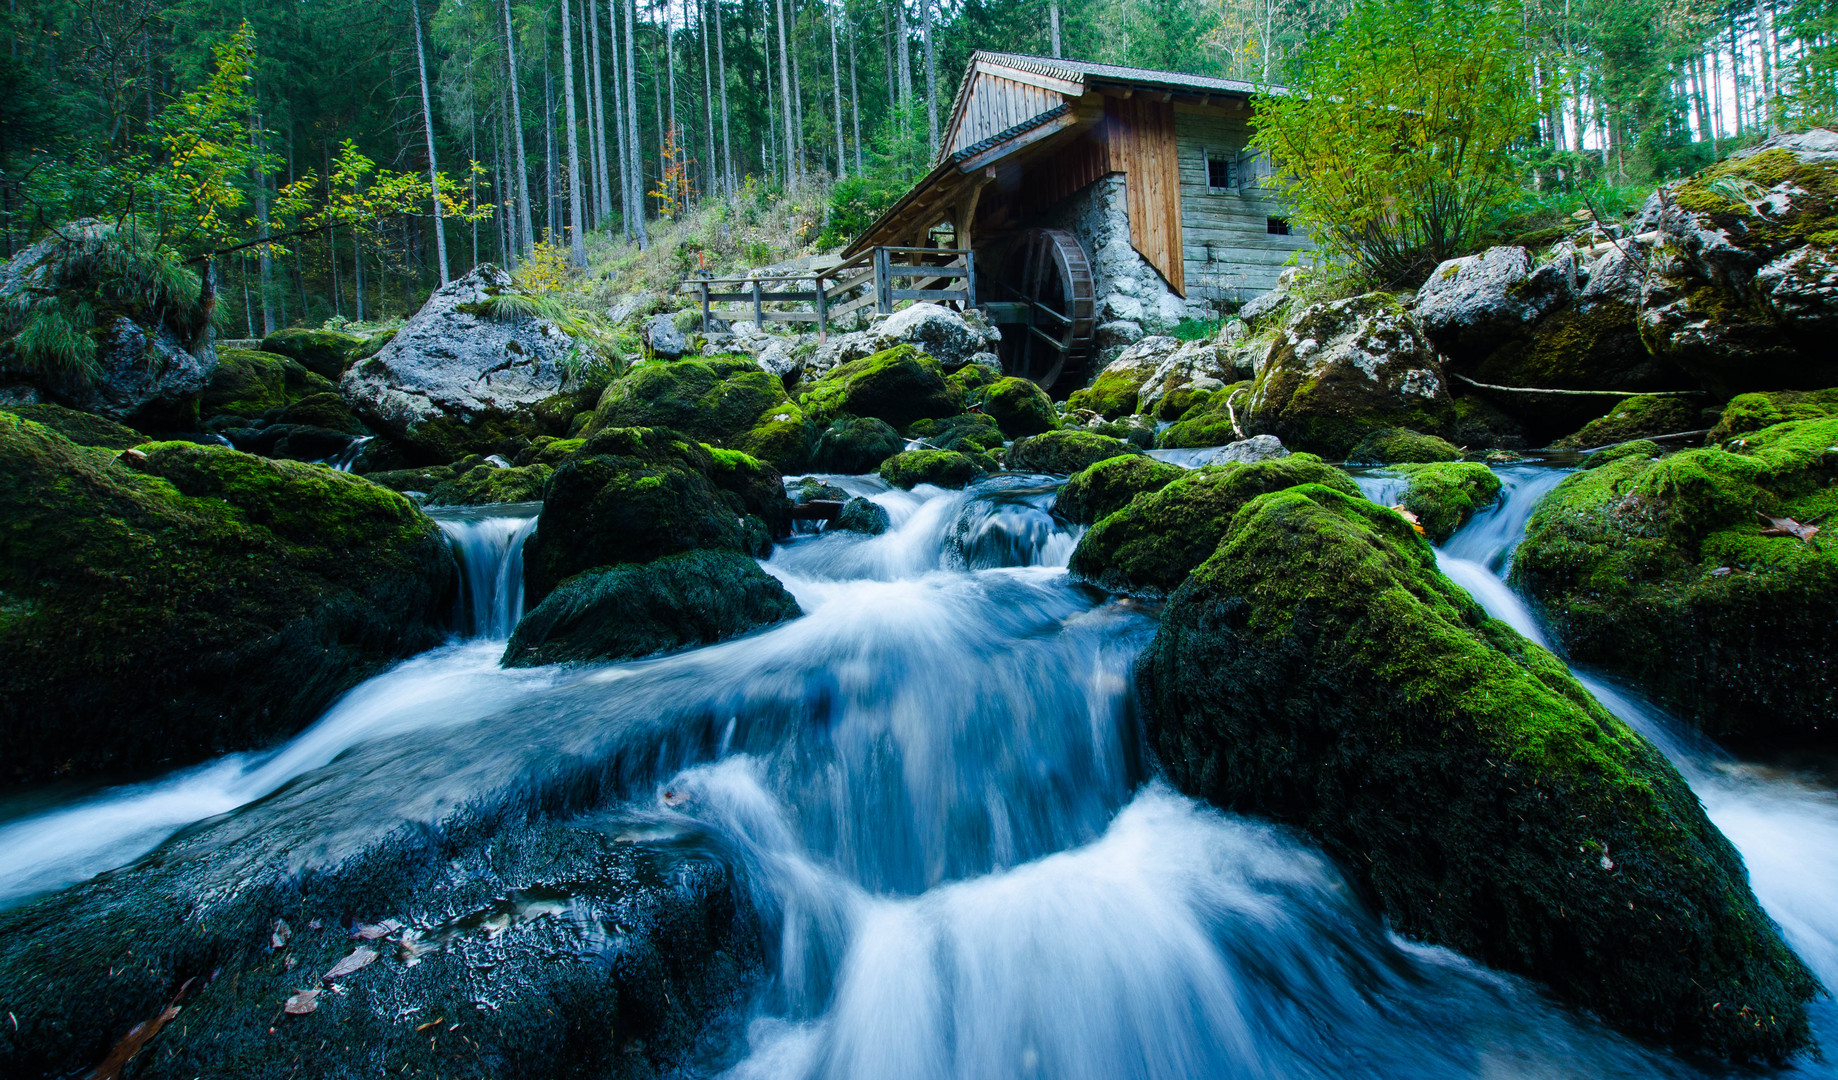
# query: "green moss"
{"type": "Point", "coordinates": [249, 383]}
{"type": "Point", "coordinates": [630, 495]}
{"type": "Point", "coordinates": [84, 429]}
{"type": "Point", "coordinates": [1209, 422]}
{"type": "Point", "coordinates": [1390, 446]}
{"type": "Point", "coordinates": [1148, 547]}
{"type": "Point", "coordinates": [855, 445]}
{"type": "Point", "coordinates": [621, 612]}
{"type": "Point", "coordinates": [945, 468]}
{"type": "Point", "coordinates": [1111, 395]}
{"type": "Point", "coordinates": [423, 480]}
{"type": "Point", "coordinates": [1634, 418]}
{"type": "Point", "coordinates": [1317, 670]}
{"type": "Point", "coordinates": [486, 484]}
{"type": "Point", "coordinates": [1131, 430]}
{"type": "Point", "coordinates": [967, 433]}
{"type": "Point", "coordinates": [1019, 407]}
{"type": "Point", "coordinates": [220, 599]}
{"type": "Point", "coordinates": [326, 410]}
{"type": "Point", "coordinates": [326, 353]}
{"type": "Point", "coordinates": [1104, 488]}
{"type": "Point", "coordinates": [1752, 412]}
{"type": "Point", "coordinates": [898, 385]}
{"type": "Point", "coordinates": [1444, 494]}
{"type": "Point", "coordinates": [1723, 192]}
{"type": "Point", "coordinates": [724, 401]}
{"type": "Point", "coordinates": [1064, 452]}
{"type": "Point", "coordinates": [1642, 563]}
{"type": "Point", "coordinates": [552, 452]}
{"type": "Point", "coordinates": [967, 382]}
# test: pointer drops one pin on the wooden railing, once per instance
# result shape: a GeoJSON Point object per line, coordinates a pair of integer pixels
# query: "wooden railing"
{"type": "Point", "coordinates": [937, 275]}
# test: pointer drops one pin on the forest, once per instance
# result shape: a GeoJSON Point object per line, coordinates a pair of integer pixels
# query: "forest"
{"type": "Point", "coordinates": [541, 115]}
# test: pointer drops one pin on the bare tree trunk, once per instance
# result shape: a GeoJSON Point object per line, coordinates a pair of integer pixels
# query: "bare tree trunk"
{"type": "Point", "coordinates": [887, 55]}
{"type": "Point", "coordinates": [727, 142]}
{"type": "Point", "coordinates": [619, 132]}
{"type": "Point", "coordinates": [855, 99]}
{"type": "Point", "coordinates": [791, 139]}
{"type": "Point", "coordinates": [931, 74]}
{"type": "Point", "coordinates": [797, 91]}
{"type": "Point", "coordinates": [577, 240]}
{"type": "Point", "coordinates": [603, 185]}
{"type": "Point", "coordinates": [526, 234]}
{"type": "Point", "coordinates": [676, 132]}
{"type": "Point", "coordinates": [1053, 23]}
{"type": "Point", "coordinates": [842, 169]}
{"type": "Point", "coordinates": [769, 150]}
{"type": "Point", "coordinates": [708, 97]}
{"type": "Point", "coordinates": [904, 52]}
{"type": "Point", "coordinates": [266, 259]}
{"type": "Point", "coordinates": [427, 125]}
{"type": "Point", "coordinates": [631, 104]}
{"type": "Point", "coordinates": [551, 212]}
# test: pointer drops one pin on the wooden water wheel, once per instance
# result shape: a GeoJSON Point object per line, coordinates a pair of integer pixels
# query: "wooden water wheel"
{"type": "Point", "coordinates": [1047, 271]}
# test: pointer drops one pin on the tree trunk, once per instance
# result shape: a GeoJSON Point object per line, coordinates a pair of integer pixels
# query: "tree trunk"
{"type": "Point", "coordinates": [931, 74]}
{"type": "Point", "coordinates": [526, 229]}
{"type": "Point", "coordinates": [619, 132]}
{"type": "Point", "coordinates": [904, 52]}
{"type": "Point", "coordinates": [676, 131]}
{"type": "Point", "coordinates": [427, 126]}
{"type": "Point", "coordinates": [769, 148]}
{"type": "Point", "coordinates": [577, 241]}
{"type": "Point", "coordinates": [1053, 23]}
{"type": "Point", "coordinates": [266, 258]}
{"type": "Point", "coordinates": [797, 92]}
{"type": "Point", "coordinates": [791, 139]}
{"type": "Point", "coordinates": [836, 94]}
{"type": "Point", "coordinates": [631, 104]}
{"type": "Point", "coordinates": [708, 97]}
{"type": "Point", "coordinates": [603, 184]}
{"type": "Point", "coordinates": [727, 142]}
{"type": "Point", "coordinates": [855, 98]}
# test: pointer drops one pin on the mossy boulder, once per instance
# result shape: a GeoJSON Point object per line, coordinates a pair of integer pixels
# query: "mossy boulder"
{"type": "Point", "coordinates": [864, 516]}
{"type": "Point", "coordinates": [631, 495]}
{"type": "Point", "coordinates": [422, 480]}
{"type": "Point", "coordinates": [898, 385]}
{"type": "Point", "coordinates": [1135, 430]}
{"type": "Point", "coordinates": [250, 383]}
{"type": "Point", "coordinates": [1112, 394]}
{"type": "Point", "coordinates": [1019, 407]}
{"type": "Point", "coordinates": [1345, 369]}
{"type": "Point", "coordinates": [1064, 452]}
{"type": "Point", "coordinates": [638, 609]}
{"type": "Point", "coordinates": [1658, 571]}
{"type": "Point", "coordinates": [944, 468]}
{"type": "Point", "coordinates": [1318, 671]}
{"type": "Point", "coordinates": [970, 433]}
{"type": "Point", "coordinates": [1752, 412]}
{"type": "Point", "coordinates": [855, 444]}
{"type": "Point", "coordinates": [325, 353]}
{"type": "Point", "coordinates": [84, 429]}
{"type": "Point", "coordinates": [488, 484]}
{"type": "Point", "coordinates": [1103, 489]}
{"type": "Point", "coordinates": [758, 486]}
{"type": "Point", "coordinates": [1148, 547]}
{"type": "Point", "coordinates": [175, 602]}
{"type": "Point", "coordinates": [1392, 446]}
{"type": "Point", "coordinates": [1635, 418]}
{"type": "Point", "coordinates": [1443, 495]}
{"type": "Point", "coordinates": [723, 401]}
{"type": "Point", "coordinates": [323, 410]}
{"type": "Point", "coordinates": [1214, 420]}
{"type": "Point", "coordinates": [1739, 295]}
{"type": "Point", "coordinates": [968, 381]}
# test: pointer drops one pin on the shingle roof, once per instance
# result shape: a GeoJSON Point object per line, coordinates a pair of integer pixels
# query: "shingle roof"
{"type": "Point", "coordinates": [1086, 71]}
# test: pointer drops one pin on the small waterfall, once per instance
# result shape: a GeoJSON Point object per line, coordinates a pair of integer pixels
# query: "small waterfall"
{"type": "Point", "coordinates": [488, 545]}
{"type": "Point", "coordinates": [346, 458]}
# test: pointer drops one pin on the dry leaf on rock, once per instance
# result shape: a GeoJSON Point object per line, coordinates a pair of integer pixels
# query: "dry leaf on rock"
{"type": "Point", "coordinates": [360, 957]}
{"type": "Point", "coordinates": [301, 1003]}
{"type": "Point", "coordinates": [1778, 526]}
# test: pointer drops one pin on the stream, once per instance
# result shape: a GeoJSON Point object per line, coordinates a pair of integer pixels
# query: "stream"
{"type": "Point", "coordinates": [934, 791]}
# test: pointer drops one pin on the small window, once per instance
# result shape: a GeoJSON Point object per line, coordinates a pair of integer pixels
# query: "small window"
{"type": "Point", "coordinates": [1221, 171]}
{"type": "Point", "coordinates": [1276, 226]}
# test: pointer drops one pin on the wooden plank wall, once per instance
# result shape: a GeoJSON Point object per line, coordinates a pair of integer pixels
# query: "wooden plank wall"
{"type": "Point", "coordinates": [995, 105]}
{"type": "Point", "coordinates": [1245, 259]}
{"type": "Point", "coordinates": [1143, 146]}
{"type": "Point", "coordinates": [1062, 172]}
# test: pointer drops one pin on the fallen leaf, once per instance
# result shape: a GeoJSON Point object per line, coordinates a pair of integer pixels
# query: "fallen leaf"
{"type": "Point", "coordinates": [301, 1003]}
{"type": "Point", "coordinates": [430, 1024]}
{"type": "Point", "coordinates": [1721, 571]}
{"type": "Point", "coordinates": [277, 937]}
{"type": "Point", "coordinates": [314, 925]}
{"type": "Point", "coordinates": [360, 957]}
{"type": "Point", "coordinates": [382, 929]}
{"type": "Point", "coordinates": [1410, 517]}
{"type": "Point", "coordinates": [1778, 526]}
{"type": "Point", "coordinates": [138, 1036]}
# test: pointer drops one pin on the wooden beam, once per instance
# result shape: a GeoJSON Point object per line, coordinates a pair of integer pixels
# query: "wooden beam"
{"type": "Point", "coordinates": [1045, 82]}
{"type": "Point", "coordinates": [1026, 138]}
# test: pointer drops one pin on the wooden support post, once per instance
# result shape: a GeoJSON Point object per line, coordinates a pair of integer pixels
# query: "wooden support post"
{"type": "Point", "coordinates": [823, 310]}
{"type": "Point", "coordinates": [969, 280]}
{"type": "Point", "coordinates": [705, 307]}
{"type": "Point", "coordinates": [759, 314]}
{"type": "Point", "coordinates": [883, 282]}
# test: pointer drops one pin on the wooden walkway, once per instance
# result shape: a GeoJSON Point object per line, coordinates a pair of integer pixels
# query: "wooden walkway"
{"type": "Point", "coordinates": [880, 276]}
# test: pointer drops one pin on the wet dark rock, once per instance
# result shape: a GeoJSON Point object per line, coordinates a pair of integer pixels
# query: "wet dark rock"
{"type": "Point", "coordinates": [856, 445]}
{"type": "Point", "coordinates": [177, 601]}
{"type": "Point", "coordinates": [863, 516]}
{"type": "Point", "coordinates": [1318, 670]}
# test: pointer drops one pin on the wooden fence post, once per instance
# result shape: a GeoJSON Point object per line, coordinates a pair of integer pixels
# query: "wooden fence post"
{"type": "Point", "coordinates": [969, 279]}
{"type": "Point", "coordinates": [883, 282]}
{"type": "Point", "coordinates": [823, 310]}
{"type": "Point", "coordinates": [705, 307]}
{"type": "Point", "coordinates": [759, 314]}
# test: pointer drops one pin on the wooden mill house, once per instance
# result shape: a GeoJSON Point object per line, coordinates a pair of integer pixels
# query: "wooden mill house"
{"type": "Point", "coordinates": [1076, 203]}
